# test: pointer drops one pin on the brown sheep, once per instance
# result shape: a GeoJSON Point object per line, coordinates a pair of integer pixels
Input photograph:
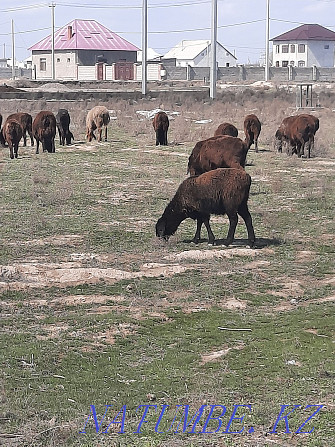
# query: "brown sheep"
{"type": "Point", "coordinates": [12, 132]}
{"type": "Point", "coordinates": [217, 152]}
{"type": "Point", "coordinates": [281, 136]}
{"type": "Point", "coordinates": [96, 119]}
{"type": "Point", "coordinates": [44, 131]}
{"type": "Point", "coordinates": [26, 120]}
{"type": "Point", "coordinates": [299, 132]}
{"type": "Point", "coordinates": [252, 129]}
{"type": "Point", "coordinates": [226, 129]}
{"type": "Point", "coordinates": [221, 191]}
{"type": "Point", "coordinates": [161, 126]}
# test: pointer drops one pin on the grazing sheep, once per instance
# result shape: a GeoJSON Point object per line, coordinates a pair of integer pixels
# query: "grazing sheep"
{"type": "Point", "coordinates": [217, 152]}
{"type": "Point", "coordinates": [298, 132]}
{"type": "Point", "coordinates": [44, 131]}
{"type": "Point", "coordinates": [96, 119]}
{"type": "Point", "coordinates": [252, 129]}
{"type": "Point", "coordinates": [26, 120]}
{"type": "Point", "coordinates": [161, 126]}
{"type": "Point", "coordinates": [226, 129]}
{"type": "Point", "coordinates": [281, 136]}
{"type": "Point", "coordinates": [63, 125]}
{"type": "Point", "coordinates": [12, 132]}
{"type": "Point", "coordinates": [221, 191]}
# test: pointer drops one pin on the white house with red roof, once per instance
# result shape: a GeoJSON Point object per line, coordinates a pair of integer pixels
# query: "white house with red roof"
{"type": "Point", "coordinates": [85, 50]}
{"type": "Point", "coordinates": [304, 46]}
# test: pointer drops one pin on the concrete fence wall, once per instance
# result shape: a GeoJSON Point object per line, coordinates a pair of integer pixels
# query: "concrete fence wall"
{"type": "Point", "coordinates": [225, 74]}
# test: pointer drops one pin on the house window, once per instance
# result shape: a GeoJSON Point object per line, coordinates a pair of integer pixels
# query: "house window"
{"type": "Point", "coordinates": [43, 64]}
{"type": "Point", "coordinates": [68, 60]}
{"type": "Point", "coordinates": [326, 47]}
{"type": "Point", "coordinates": [301, 48]}
{"type": "Point", "coordinates": [58, 59]}
{"type": "Point", "coordinates": [227, 64]}
{"type": "Point", "coordinates": [284, 64]}
{"type": "Point", "coordinates": [292, 48]}
{"type": "Point", "coordinates": [277, 48]}
{"type": "Point", "coordinates": [301, 63]}
{"type": "Point", "coordinates": [292, 63]}
{"type": "Point", "coordinates": [284, 48]}
{"type": "Point", "coordinates": [277, 63]}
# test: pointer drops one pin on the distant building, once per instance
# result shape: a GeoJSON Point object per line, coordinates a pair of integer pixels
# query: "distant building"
{"type": "Point", "coordinates": [3, 62]}
{"type": "Point", "coordinates": [85, 50]}
{"type": "Point", "coordinates": [197, 53]}
{"type": "Point", "coordinates": [304, 46]}
{"type": "Point", "coordinates": [152, 55]}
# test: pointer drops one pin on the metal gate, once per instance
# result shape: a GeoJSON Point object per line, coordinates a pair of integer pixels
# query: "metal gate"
{"type": "Point", "coordinates": [124, 71]}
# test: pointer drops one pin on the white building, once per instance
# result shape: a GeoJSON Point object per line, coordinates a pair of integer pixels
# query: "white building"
{"type": "Point", "coordinates": [304, 46]}
{"type": "Point", "coordinates": [197, 53]}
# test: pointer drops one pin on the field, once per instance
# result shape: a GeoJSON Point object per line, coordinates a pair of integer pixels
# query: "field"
{"type": "Point", "coordinates": [96, 311]}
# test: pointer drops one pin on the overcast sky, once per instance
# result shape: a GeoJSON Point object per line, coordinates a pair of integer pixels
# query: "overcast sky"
{"type": "Point", "coordinates": [241, 23]}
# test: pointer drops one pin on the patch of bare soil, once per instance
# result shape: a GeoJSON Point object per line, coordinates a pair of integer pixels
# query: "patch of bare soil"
{"type": "Point", "coordinates": [156, 151]}
{"type": "Point", "coordinates": [292, 288]}
{"type": "Point", "coordinates": [198, 306]}
{"type": "Point", "coordinates": [288, 305]}
{"type": "Point", "coordinates": [216, 355]}
{"type": "Point", "coordinates": [20, 276]}
{"type": "Point", "coordinates": [304, 256]}
{"type": "Point", "coordinates": [65, 239]}
{"type": "Point", "coordinates": [224, 252]}
{"type": "Point", "coordinates": [53, 330]}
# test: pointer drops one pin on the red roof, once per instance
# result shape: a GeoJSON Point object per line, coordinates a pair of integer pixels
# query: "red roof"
{"type": "Point", "coordinates": [86, 35]}
{"type": "Point", "coordinates": [307, 32]}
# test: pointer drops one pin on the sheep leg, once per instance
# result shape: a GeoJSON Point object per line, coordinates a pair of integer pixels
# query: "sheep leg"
{"type": "Point", "coordinates": [211, 237]}
{"type": "Point", "coordinates": [99, 133]}
{"type": "Point", "coordinates": [233, 219]}
{"type": "Point", "coordinates": [256, 145]}
{"type": "Point", "coordinates": [37, 146]}
{"type": "Point", "coordinates": [11, 152]}
{"type": "Point", "coordinates": [105, 133]}
{"type": "Point", "coordinates": [25, 139]}
{"type": "Point", "coordinates": [16, 149]}
{"type": "Point", "coordinates": [196, 238]}
{"type": "Point", "coordinates": [243, 211]}
{"type": "Point", "coordinates": [157, 137]}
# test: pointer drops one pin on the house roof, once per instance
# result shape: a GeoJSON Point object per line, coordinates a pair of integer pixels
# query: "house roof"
{"type": "Point", "coordinates": [151, 55]}
{"type": "Point", "coordinates": [189, 49]}
{"type": "Point", "coordinates": [307, 32]}
{"type": "Point", "coordinates": [86, 35]}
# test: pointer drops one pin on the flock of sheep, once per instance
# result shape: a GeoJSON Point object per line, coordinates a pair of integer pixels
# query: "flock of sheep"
{"type": "Point", "coordinates": [218, 183]}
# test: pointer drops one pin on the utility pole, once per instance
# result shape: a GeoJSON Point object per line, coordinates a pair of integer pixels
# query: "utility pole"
{"type": "Point", "coordinates": [212, 90]}
{"type": "Point", "coordinates": [13, 51]}
{"type": "Point", "coordinates": [53, 74]}
{"type": "Point", "coordinates": [144, 45]}
{"type": "Point", "coordinates": [267, 64]}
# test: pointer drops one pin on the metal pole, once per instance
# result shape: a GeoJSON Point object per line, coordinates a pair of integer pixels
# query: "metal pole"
{"type": "Point", "coordinates": [212, 90]}
{"type": "Point", "coordinates": [13, 51]}
{"type": "Point", "coordinates": [53, 74]}
{"type": "Point", "coordinates": [144, 46]}
{"type": "Point", "coordinates": [267, 65]}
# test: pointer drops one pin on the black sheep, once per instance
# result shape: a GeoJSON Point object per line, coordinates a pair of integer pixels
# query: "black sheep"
{"type": "Point", "coordinates": [63, 123]}
{"type": "Point", "coordinates": [220, 191]}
